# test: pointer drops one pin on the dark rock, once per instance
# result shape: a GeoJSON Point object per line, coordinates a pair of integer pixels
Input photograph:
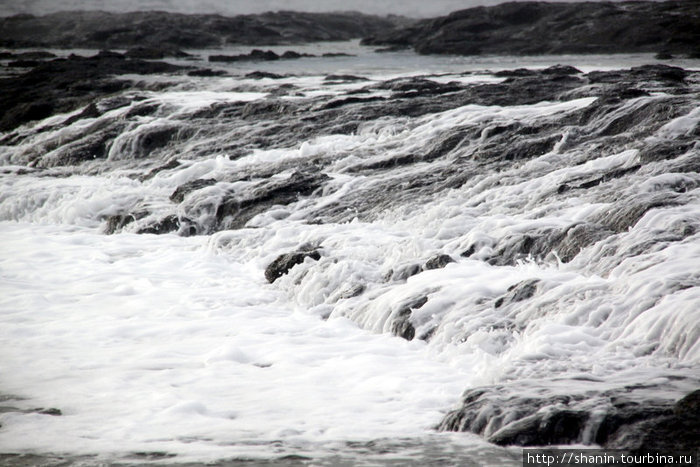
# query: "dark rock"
{"type": "Point", "coordinates": [155, 53]}
{"type": "Point", "coordinates": [62, 85]}
{"type": "Point", "coordinates": [292, 55]}
{"type": "Point", "coordinates": [52, 411]}
{"type": "Point", "coordinates": [518, 292]}
{"type": "Point", "coordinates": [153, 172]}
{"type": "Point", "coordinates": [622, 420]}
{"type": "Point", "coordinates": [235, 210]}
{"type": "Point", "coordinates": [403, 273]}
{"type": "Point", "coordinates": [535, 244]}
{"type": "Point", "coordinates": [163, 30]}
{"type": "Point", "coordinates": [183, 190]}
{"type": "Point", "coordinates": [334, 104]}
{"type": "Point", "coordinates": [561, 70]}
{"type": "Point", "coordinates": [263, 74]}
{"type": "Point", "coordinates": [166, 225]}
{"type": "Point", "coordinates": [438, 262]}
{"type": "Point", "coordinates": [578, 237]}
{"type": "Point", "coordinates": [354, 291]}
{"type": "Point", "coordinates": [658, 72]}
{"type": "Point", "coordinates": [345, 78]}
{"type": "Point", "coordinates": [157, 138]}
{"type": "Point", "coordinates": [534, 28]}
{"type": "Point", "coordinates": [117, 222]}
{"type": "Point", "coordinates": [91, 111]}
{"type": "Point", "coordinates": [401, 325]}
{"type": "Point", "coordinates": [519, 72]}
{"type": "Point", "coordinates": [625, 214]}
{"type": "Point", "coordinates": [206, 73]}
{"type": "Point", "coordinates": [23, 63]}
{"type": "Point", "coordinates": [393, 48]}
{"type": "Point", "coordinates": [664, 150]}
{"type": "Point", "coordinates": [284, 263]}
{"type": "Point", "coordinates": [561, 427]}
{"type": "Point", "coordinates": [643, 427]}
{"type": "Point", "coordinates": [336, 54]}
{"type": "Point", "coordinates": [612, 175]}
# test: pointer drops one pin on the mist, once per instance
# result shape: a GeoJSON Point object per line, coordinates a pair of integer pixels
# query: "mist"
{"type": "Point", "coordinates": [411, 8]}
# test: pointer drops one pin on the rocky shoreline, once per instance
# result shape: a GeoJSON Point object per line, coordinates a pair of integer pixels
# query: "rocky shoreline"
{"type": "Point", "coordinates": [616, 120]}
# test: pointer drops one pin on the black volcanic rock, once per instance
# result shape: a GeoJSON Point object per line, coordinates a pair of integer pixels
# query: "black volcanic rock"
{"type": "Point", "coordinates": [531, 28]}
{"type": "Point", "coordinates": [157, 29]}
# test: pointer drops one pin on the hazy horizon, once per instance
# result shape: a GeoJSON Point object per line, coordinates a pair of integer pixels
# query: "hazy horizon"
{"type": "Point", "coordinates": [412, 8]}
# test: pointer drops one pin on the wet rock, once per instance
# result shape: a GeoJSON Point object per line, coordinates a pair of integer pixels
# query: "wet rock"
{"type": "Point", "coordinates": [438, 262]}
{"type": "Point", "coordinates": [642, 427]}
{"type": "Point", "coordinates": [345, 78]}
{"type": "Point", "coordinates": [418, 87]}
{"type": "Point", "coordinates": [62, 85]}
{"type": "Point", "coordinates": [535, 244]}
{"type": "Point", "coordinates": [334, 104]}
{"type": "Point", "coordinates": [608, 176]}
{"type": "Point", "coordinates": [91, 111]}
{"type": "Point", "coordinates": [292, 55]}
{"type": "Point", "coordinates": [183, 190]}
{"type": "Point", "coordinates": [401, 325]}
{"type": "Point", "coordinates": [235, 210]}
{"type": "Point", "coordinates": [117, 222]}
{"type": "Point", "coordinates": [284, 263]}
{"type": "Point", "coordinates": [157, 138]}
{"type": "Point", "coordinates": [166, 225]}
{"type": "Point", "coordinates": [623, 215]}
{"type": "Point", "coordinates": [402, 273]}
{"type": "Point", "coordinates": [254, 55]}
{"type": "Point", "coordinates": [172, 164]}
{"type": "Point", "coordinates": [263, 74]}
{"type": "Point", "coordinates": [206, 73]}
{"type": "Point", "coordinates": [560, 427]}
{"type": "Point", "coordinates": [518, 292]}
{"type": "Point", "coordinates": [579, 237]}
{"type": "Point", "coordinates": [561, 70]}
{"type": "Point", "coordinates": [353, 291]}
{"type": "Point", "coordinates": [664, 150]}
{"type": "Point", "coordinates": [155, 53]}
{"type": "Point", "coordinates": [614, 419]}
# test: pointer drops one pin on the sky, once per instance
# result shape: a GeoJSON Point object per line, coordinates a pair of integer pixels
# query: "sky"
{"type": "Point", "coordinates": [413, 8]}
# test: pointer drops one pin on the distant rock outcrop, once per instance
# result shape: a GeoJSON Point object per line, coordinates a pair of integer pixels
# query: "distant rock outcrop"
{"type": "Point", "coordinates": [533, 28]}
{"type": "Point", "coordinates": [158, 29]}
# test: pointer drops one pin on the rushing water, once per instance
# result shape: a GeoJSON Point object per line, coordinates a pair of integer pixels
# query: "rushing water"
{"type": "Point", "coordinates": [175, 348]}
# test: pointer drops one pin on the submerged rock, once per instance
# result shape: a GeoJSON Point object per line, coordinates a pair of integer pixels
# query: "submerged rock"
{"type": "Point", "coordinates": [401, 325]}
{"type": "Point", "coordinates": [284, 263]}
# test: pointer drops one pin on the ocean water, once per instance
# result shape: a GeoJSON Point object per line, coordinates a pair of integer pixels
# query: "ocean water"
{"type": "Point", "coordinates": [174, 349]}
